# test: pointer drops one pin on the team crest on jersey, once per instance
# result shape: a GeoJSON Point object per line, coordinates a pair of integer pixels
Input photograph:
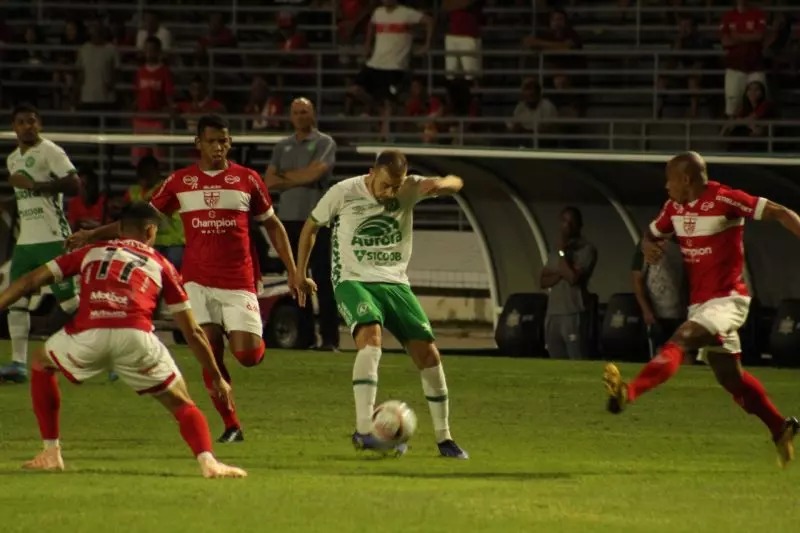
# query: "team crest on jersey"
{"type": "Point", "coordinates": [392, 205]}
{"type": "Point", "coordinates": [689, 224]}
{"type": "Point", "coordinates": [211, 198]}
{"type": "Point", "coordinates": [230, 179]}
{"type": "Point", "coordinates": [190, 181]}
{"type": "Point", "coordinates": [30, 161]}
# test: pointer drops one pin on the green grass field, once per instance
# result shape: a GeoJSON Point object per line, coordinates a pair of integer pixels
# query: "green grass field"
{"type": "Point", "coordinates": [545, 456]}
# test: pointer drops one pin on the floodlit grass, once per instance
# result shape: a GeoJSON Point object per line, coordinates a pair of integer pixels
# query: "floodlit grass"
{"type": "Point", "coordinates": [545, 456]}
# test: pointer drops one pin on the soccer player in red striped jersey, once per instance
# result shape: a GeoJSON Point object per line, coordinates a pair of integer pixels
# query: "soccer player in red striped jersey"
{"type": "Point", "coordinates": [121, 283]}
{"type": "Point", "coordinates": [708, 219]}
{"type": "Point", "coordinates": [216, 198]}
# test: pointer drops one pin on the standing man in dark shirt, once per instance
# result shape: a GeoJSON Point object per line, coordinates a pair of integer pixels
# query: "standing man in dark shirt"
{"type": "Point", "coordinates": [567, 275]}
{"type": "Point", "coordinates": [301, 169]}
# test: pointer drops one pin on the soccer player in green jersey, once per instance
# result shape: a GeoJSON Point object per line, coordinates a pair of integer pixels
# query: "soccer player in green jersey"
{"type": "Point", "coordinates": [40, 173]}
{"type": "Point", "coordinates": [372, 219]}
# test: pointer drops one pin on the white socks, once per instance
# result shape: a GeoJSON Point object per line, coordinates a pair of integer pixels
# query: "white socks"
{"type": "Point", "coordinates": [435, 388]}
{"type": "Point", "coordinates": [51, 444]}
{"type": "Point", "coordinates": [365, 385]}
{"type": "Point", "coordinates": [19, 327]}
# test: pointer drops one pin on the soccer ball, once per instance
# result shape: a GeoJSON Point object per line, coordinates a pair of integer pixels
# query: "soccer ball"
{"type": "Point", "coordinates": [393, 422]}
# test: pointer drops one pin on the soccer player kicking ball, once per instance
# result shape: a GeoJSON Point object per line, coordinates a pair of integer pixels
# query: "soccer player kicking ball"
{"type": "Point", "coordinates": [40, 173]}
{"type": "Point", "coordinates": [215, 199]}
{"type": "Point", "coordinates": [121, 283]}
{"type": "Point", "coordinates": [708, 219]}
{"type": "Point", "coordinates": [371, 247]}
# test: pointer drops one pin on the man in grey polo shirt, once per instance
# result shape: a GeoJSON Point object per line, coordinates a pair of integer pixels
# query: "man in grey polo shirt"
{"type": "Point", "coordinates": [567, 274]}
{"type": "Point", "coordinates": [300, 170]}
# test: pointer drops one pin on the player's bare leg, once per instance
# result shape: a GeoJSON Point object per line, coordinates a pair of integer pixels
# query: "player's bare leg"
{"type": "Point", "coordinates": [748, 392]}
{"type": "Point", "coordinates": [194, 430]}
{"type": "Point", "coordinates": [46, 399]}
{"type": "Point", "coordinates": [368, 339]}
{"type": "Point", "coordinates": [427, 359]}
{"type": "Point", "coordinates": [233, 429]}
{"type": "Point", "coordinates": [689, 336]}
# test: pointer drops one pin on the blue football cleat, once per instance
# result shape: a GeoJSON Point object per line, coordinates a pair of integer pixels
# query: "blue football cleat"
{"type": "Point", "coordinates": [367, 441]}
{"type": "Point", "coordinates": [14, 372]}
{"type": "Point", "coordinates": [448, 448]}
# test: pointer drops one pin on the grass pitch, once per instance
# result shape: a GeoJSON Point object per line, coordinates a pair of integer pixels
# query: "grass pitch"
{"type": "Point", "coordinates": [545, 456]}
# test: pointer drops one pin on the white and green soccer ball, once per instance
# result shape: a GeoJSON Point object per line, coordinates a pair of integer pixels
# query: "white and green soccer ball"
{"type": "Point", "coordinates": [393, 422]}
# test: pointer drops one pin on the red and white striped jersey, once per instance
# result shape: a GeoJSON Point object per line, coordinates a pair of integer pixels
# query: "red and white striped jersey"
{"type": "Point", "coordinates": [710, 231]}
{"type": "Point", "coordinates": [215, 208]}
{"type": "Point", "coordinates": [121, 283]}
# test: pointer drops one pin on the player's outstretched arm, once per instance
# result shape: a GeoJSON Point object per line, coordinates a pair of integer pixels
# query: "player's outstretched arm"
{"type": "Point", "coordinates": [280, 240]}
{"type": "Point", "coordinates": [25, 285]}
{"type": "Point", "coordinates": [785, 216]}
{"type": "Point", "coordinates": [308, 237]}
{"type": "Point", "coordinates": [440, 186]}
{"type": "Point", "coordinates": [85, 236]}
{"type": "Point", "coordinates": [201, 349]}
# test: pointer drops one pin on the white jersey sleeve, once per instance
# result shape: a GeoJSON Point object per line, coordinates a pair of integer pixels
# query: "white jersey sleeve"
{"type": "Point", "coordinates": [57, 159]}
{"type": "Point", "coordinates": [329, 206]}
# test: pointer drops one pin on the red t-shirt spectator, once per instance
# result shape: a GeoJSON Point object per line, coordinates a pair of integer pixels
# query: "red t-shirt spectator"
{"type": "Point", "coordinates": [744, 57]}
{"type": "Point", "coordinates": [421, 107]}
{"type": "Point", "coordinates": [80, 215]}
{"type": "Point", "coordinates": [466, 22]}
{"type": "Point", "coordinates": [154, 88]}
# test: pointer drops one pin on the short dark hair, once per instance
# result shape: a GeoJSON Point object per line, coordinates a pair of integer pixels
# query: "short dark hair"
{"type": "Point", "coordinates": [576, 214]}
{"type": "Point", "coordinates": [24, 108]}
{"type": "Point", "coordinates": [211, 121]}
{"type": "Point", "coordinates": [137, 216]}
{"type": "Point", "coordinates": [394, 161]}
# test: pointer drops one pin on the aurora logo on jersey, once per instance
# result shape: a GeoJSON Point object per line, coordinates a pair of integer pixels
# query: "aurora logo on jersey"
{"type": "Point", "coordinates": [377, 231]}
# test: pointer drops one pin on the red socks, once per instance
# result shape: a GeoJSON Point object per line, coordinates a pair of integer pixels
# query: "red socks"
{"type": "Point", "coordinates": [228, 414]}
{"type": "Point", "coordinates": [662, 367]}
{"type": "Point", "coordinates": [194, 428]}
{"type": "Point", "coordinates": [752, 397]}
{"type": "Point", "coordinates": [46, 402]}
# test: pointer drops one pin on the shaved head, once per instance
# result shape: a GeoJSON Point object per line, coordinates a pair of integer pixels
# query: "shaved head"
{"type": "Point", "coordinates": [302, 115]}
{"type": "Point", "coordinates": [690, 164]}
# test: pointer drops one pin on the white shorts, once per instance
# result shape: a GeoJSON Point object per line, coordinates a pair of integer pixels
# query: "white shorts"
{"type": "Point", "coordinates": [139, 358]}
{"type": "Point", "coordinates": [722, 317]}
{"type": "Point", "coordinates": [233, 310]}
{"type": "Point", "coordinates": [735, 84]}
{"type": "Point", "coordinates": [468, 64]}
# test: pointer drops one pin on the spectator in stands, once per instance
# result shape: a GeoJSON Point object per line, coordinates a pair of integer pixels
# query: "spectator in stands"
{"type": "Point", "coordinates": [98, 65]}
{"type": "Point", "coordinates": [754, 108]}
{"type": "Point", "coordinates": [381, 80]}
{"type": "Point", "coordinates": [218, 36]}
{"type": "Point", "coordinates": [266, 108]}
{"type": "Point", "coordinates": [302, 167]}
{"type": "Point", "coordinates": [779, 50]}
{"type": "Point", "coordinates": [661, 290]}
{"type": "Point", "coordinates": [462, 43]}
{"type": "Point", "coordinates": [290, 39]}
{"type": "Point", "coordinates": [71, 39]}
{"type": "Point", "coordinates": [121, 35]}
{"type": "Point", "coordinates": [199, 103]}
{"type": "Point", "coordinates": [152, 27]}
{"type": "Point", "coordinates": [689, 39]}
{"type": "Point", "coordinates": [170, 240]}
{"type": "Point", "coordinates": [353, 18]}
{"type": "Point", "coordinates": [88, 209]}
{"type": "Point", "coordinates": [32, 63]}
{"type": "Point", "coordinates": [559, 37]}
{"type": "Point", "coordinates": [742, 31]}
{"type": "Point", "coordinates": [154, 94]}
{"type": "Point", "coordinates": [566, 275]}
{"type": "Point", "coordinates": [419, 104]}
{"type": "Point", "coordinates": [533, 113]}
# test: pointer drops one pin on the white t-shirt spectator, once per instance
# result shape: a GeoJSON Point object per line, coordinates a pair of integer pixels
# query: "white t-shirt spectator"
{"type": "Point", "coordinates": [162, 33]}
{"type": "Point", "coordinates": [393, 37]}
{"type": "Point", "coordinates": [527, 117]}
{"type": "Point", "coordinates": [98, 63]}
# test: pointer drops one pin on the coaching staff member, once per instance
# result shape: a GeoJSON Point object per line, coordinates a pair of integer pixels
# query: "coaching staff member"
{"type": "Point", "coordinates": [301, 169]}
